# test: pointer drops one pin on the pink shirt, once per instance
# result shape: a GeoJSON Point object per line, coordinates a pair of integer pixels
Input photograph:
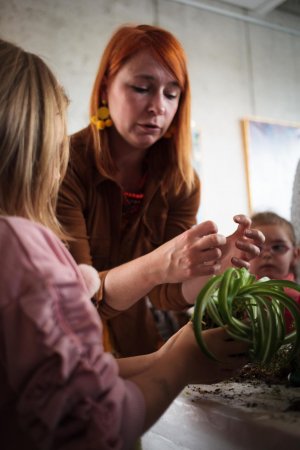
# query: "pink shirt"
{"type": "Point", "coordinates": [58, 389]}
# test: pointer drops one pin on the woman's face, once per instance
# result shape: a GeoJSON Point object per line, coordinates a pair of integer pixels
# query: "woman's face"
{"type": "Point", "coordinates": [143, 99]}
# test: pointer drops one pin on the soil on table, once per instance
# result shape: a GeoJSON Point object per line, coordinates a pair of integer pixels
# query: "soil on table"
{"type": "Point", "coordinates": [255, 389]}
{"type": "Point", "coordinates": [254, 373]}
{"type": "Point", "coordinates": [264, 385]}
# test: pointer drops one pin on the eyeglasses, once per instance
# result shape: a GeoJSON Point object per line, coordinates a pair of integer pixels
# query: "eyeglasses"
{"type": "Point", "coordinates": [275, 249]}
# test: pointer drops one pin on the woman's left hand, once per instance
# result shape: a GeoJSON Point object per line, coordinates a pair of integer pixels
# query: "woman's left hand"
{"type": "Point", "coordinates": [243, 245]}
{"type": "Point", "coordinates": [240, 247]}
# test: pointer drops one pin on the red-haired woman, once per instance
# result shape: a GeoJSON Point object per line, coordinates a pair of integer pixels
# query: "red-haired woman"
{"type": "Point", "coordinates": [131, 189]}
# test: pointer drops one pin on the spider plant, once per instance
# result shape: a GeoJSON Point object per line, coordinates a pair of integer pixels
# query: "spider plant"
{"type": "Point", "coordinates": [252, 311]}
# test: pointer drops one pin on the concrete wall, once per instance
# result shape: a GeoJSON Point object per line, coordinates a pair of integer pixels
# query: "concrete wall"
{"type": "Point", "coordinates": [237, 69]}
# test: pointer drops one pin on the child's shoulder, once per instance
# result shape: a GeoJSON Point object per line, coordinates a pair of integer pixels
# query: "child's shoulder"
{"type": "Point", "coordinates": [23, 231]}
{"type": "Point", "coordinates": [28, 244]}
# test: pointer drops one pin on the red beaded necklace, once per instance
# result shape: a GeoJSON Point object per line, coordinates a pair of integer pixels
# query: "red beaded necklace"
{"type": "Point", "coordinates": [132, 200]}
{"type": "Point", "coordinates": [128, 195]}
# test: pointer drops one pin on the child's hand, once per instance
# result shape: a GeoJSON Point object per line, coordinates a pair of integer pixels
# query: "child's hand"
{"type": "Point", "coordinates": [232, 355]}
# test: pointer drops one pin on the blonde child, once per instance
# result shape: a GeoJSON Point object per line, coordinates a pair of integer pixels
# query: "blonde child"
{"type": "Point", "coordinates": [59, 389]}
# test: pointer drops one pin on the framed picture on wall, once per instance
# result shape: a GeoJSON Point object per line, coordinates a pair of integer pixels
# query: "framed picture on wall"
{"type": "Point", "coordinates": [272, 151]}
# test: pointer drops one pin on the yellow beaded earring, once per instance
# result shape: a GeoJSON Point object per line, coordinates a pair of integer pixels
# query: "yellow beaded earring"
{"type": "Point", "coordinates": [102, 120]}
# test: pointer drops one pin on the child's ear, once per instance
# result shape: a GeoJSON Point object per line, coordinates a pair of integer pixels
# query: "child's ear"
{"type": "Point", "coordinates": [297, 254]}
{"type": "Point", "coordinates": [295, 265]}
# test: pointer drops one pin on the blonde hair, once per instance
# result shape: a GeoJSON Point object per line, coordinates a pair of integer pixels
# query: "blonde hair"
{"type": "Point", "coordinates": [173, 154]}
{"type": "Point", "coordinates": [33, 157]}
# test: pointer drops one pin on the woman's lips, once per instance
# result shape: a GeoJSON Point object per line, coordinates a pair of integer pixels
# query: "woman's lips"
{"type": "Point", "coordinates": [150, 128]}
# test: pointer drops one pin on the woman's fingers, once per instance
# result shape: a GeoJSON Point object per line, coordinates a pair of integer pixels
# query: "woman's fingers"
{"type": "Point", "coordinates": [194, 253]}
{"type": "Point", "coordinates": [203, 229]}
{"type": "Point", "coordinates": [249, 248]}
{"type": "Point", "coordinates": [244, 244]}
{"type": "Point", "coordinates": [202, 251]}
{"type": "Point", "coordinates": [240, 262]}
{"type": "Point", "coordinates": [256, 235]}
{"type": "Point", "coordinates": [242, 220]}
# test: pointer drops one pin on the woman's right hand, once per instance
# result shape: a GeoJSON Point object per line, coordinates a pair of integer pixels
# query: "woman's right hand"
{"type": "Point", "coordinates": [193, 253]}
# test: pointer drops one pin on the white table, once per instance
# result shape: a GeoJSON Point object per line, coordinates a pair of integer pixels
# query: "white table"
{"type": "Point", "coordinates": [228, 416]}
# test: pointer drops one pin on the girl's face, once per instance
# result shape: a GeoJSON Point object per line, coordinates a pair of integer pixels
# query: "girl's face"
{"type": "Point", "coordinates": [278, 255]}
{"type": "Point", "coordinates": [143, 99]}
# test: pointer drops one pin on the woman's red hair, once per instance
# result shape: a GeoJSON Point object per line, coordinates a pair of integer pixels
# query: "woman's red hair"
{"type": "Point", "coordinates": [173, 153]}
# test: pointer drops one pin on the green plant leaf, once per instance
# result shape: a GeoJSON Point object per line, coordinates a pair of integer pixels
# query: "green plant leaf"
{"type": "Point", "coordinates": [251, 311]}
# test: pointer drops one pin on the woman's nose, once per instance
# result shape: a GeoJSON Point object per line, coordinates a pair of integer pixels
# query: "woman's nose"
{"type": "Point", "coordinates": [157, 104]}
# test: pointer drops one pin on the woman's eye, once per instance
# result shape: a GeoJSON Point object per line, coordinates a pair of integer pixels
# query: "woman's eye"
{"type": "Point", "coordinates": [172, 95]}
{"type": "Point", "coordinates": [140, 89]}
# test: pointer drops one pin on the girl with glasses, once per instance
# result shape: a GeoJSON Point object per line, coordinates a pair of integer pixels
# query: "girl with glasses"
{"type": "Point", "coordinates": [279, 254]}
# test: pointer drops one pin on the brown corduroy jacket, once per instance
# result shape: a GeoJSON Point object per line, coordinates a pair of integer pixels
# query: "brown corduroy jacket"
{"type": "Point", "coordinates": [90, 209]}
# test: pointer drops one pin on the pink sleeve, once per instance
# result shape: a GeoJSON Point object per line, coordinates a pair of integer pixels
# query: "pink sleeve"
{"type": "Point", "coordinates": [66, 390]}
